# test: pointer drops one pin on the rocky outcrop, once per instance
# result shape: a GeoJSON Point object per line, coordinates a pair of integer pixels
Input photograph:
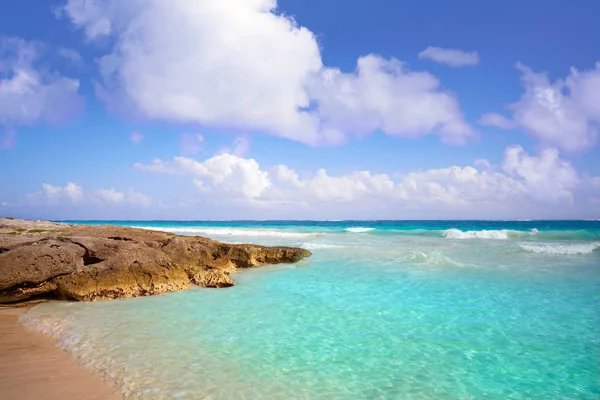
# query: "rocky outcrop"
{"type": "Point", "coordinates": [86, 263]}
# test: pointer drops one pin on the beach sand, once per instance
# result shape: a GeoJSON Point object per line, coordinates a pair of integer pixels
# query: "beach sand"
{"type": "Point", "coordinates": [33, 367]}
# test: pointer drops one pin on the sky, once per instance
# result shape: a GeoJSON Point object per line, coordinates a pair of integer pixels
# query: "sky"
{"type": "Point", "coordinates": [299, 109]}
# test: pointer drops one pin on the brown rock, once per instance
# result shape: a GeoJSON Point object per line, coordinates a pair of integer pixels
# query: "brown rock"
{"type": "Point", "coordinates": [86, 263]}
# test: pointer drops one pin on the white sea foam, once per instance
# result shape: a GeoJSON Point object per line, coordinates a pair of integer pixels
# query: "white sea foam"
{"type": "Point", "coordinates": [230, 231]}
{"type": "Point", "coordinates": [320, 246]}
{"type": "Point", "coordinates": [561, 248]}
{"type": "Point", "coordinates": [483, 234]}
{"type": "Point", "coordinates": [501, 234]}
{"type": "Point", "coordinates": [431, 258]}
{"type": "Point", "coordinates": [359, 230]}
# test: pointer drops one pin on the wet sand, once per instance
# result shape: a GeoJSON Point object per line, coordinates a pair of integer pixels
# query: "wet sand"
{"type": "Point", "coordinates": [32, 367]}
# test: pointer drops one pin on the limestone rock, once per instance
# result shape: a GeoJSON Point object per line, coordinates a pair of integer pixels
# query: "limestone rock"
{"type": "Point", "coordinates": [86, 263]}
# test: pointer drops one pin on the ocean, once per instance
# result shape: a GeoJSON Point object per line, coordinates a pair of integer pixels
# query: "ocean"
{"type": "Point", "coordinates": [382, 310]}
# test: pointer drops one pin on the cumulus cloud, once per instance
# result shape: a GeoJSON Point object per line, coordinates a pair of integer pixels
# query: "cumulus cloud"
{"type": "Point", "coordinates": [385, 95]}
{"type": "Point", "coordinates": [224, 172]}
{"type": "Point", "coordinates": [136, 138]}
{"type": "Point", "coordinates": [30, 95]}
{"type": "Point", "coordinates": [70, 191]}
{"type": "Point", "coordinates": [240, 64]}
{"type": "Point", "coordinates": [547, 176]}
{"type": "Point", "coordinates": [563, 114]}
{"type": "Point", "coordinates": [523, 181]}
{"type": "Point", "coordinates": [451, 57]}
{"type": "Point", "coordinates": [73, 193]}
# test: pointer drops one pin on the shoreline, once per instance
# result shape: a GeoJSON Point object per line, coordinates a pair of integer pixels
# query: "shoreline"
{"type": "Point", "coordinates": [42, 260]}
{"type": "Point", "coordinates": [33, 366]}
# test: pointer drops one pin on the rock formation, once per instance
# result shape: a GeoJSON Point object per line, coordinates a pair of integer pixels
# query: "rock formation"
{"type": "Point", "coordinates": [86, 263]}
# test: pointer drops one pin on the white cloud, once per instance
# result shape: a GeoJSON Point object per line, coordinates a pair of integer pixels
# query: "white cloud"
{"type": "Point", "coordinates": [112, 196]}
{"type": "Point", "coordinates": [525, 182]}
{"type": "Point", "coordinates": [459, 186]}
{"type": "Point", "coordinates": [191, 143]}
{"type": "Point", "coordinates": [241, 146]}
{"type": "Point", "coordinates": [31, 96]}
{"type": "Point", "coordinates": [109, 195]}
{"type": "Point", "coordinates": [547, 176]}
{"type": "Point", "coordinates": [451, 57]}
{"type": "Point", "coordinates": [563, 114]}
{"type": "Point", "coordinates": [240, 64]}
{"type": "Point", "coordinates": [284, 174]}
{"type": "Point", "coordinates": [224, 172]}
{"type": "Point", "coordinates": [136, 138]}
{"type": "Point", "coordinates": [384, 95]}
{"type": "Point", "coordinates": [74, 193]}
{"type": "Point", "coordinates": [71, 191]}
{"type": "Point", "coordinates": [88, 14]}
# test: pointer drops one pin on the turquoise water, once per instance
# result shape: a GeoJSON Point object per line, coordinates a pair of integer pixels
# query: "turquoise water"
{"type": "Point", "coordinates": [382, 310]}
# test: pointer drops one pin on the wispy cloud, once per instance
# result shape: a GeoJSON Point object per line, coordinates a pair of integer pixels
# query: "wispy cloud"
{"type": "Point", "coordinates": [451, 57]}
{"type": "Point", "coordinates": [497, 120]}
{"type": "Point", "coordinates": [71, 55]}
{"type": "Point", "coordinates": [241, 147]}
{"type": "Point", "coordinates": [136, 138]}
{"type": "Point", "coordinates": [72, 193]}
{"type": "Point", "coordinates": [191, 143]}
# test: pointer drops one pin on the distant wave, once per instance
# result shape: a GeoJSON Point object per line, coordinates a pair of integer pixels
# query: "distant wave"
{"type": "Point", "coordinates": [561, 248]}
{"type": "Point", "coordinates": [505, 234]}
{"type": "Point", "coordinates": [315, 231]}
{"type": "Point", "coordinates": [231, 231]}
{"type": "Point", "coordinates": [359, 230]}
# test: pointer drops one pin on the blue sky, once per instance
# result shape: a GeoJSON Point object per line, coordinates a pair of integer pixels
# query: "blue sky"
{"type": "Point", "coordinates": [156, 109]}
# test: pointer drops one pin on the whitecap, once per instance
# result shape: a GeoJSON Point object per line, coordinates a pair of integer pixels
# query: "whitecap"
{"type": "Point", "coordinates": [359, 230]}
{"type": "Point", "coordinates": [483, 234]}
{"type": "Point", "coordinates": [560, 248]}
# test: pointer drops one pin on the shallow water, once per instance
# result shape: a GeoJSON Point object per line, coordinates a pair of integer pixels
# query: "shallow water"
{"type": "Point", "coordinates": [404, 310]}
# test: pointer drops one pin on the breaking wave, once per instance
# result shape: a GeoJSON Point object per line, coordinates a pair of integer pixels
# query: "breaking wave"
{"type": "Point", "coordinates": [359, 230]}
{"type": "Point", "coordinates": [318, 231]}
{"type": "Point", "coordinates": [484, 234]}
{"type": "Point", "coordinates": [502, 234]}
{"type": "Point", "coordinates": [561, 248]}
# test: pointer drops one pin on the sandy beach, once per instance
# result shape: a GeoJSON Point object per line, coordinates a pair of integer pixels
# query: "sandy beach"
{"type": "Point", "coordinates": [33, 367]}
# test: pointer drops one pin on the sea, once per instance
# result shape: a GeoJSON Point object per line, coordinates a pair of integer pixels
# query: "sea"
{"type": "Point", "coordinates": [381, 310]}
